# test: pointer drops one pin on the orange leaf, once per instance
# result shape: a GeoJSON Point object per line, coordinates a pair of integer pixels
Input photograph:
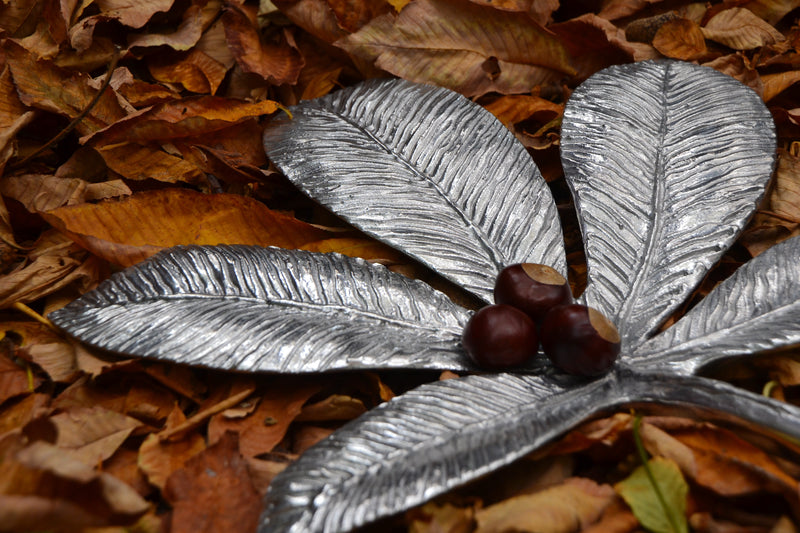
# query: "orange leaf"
{"type": "Point", "coordinates": [515, 108]}
{"type": "Point", "coordinates": [680, 39]}
{"type": "Point", "coordinates": [195, 70]}
{"type": "Point", "coordinates": [469, 48]}
{"type": "Point", "coordinates": [774, 84]}
{"type": "Point", "coordinates": [129, 230]}
{"type": "Point", "coordinates": [740, 29]}
{"type": "Point", "coordinates": [149, 161]}
{"type": "Point", "coordinates": [158, 458]}
{"type": "Point", "coordinates": [195, 19]}
{"type": "Point", "coordinates": [13, 379]}
{"type": "Point", "coordinates": [42, 193]}
{"type": "Point", "coordinates": [182, 118]}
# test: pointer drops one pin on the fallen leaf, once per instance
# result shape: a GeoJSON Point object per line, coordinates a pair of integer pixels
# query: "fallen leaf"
{"type": "Point", "coordinates": [277, 63]}
{"type": "Point", "coordinates": [334, 407]}
{"type": "Point", "coordinates": [657, 515]}
{"type": "Point", "coordinates": [196, 18]}
{"type": "Point", "coordinates": [47, 349]}
{"type": "Point", "coordinates": [42, 192]}
{"type": "Point", "coordinates": [515, 108]}
{"type": "Point", "coordinates": [570, 506]}
{"type": "Point", "coordinates": [307, 436]}
{"type": "Point", "coordinates": [15, 415]}
{"type": "Point", "coordinates": [774, 84]}
{"type": "Point", "coordinates": [41, 488]}
{"type": "Point", "coordinates": [92, 435]}
{"type": "Point", "coordinates": [195, 70]}
{"type": "Point", "coordinates": [133, 15]}
{"type": "Point", "coordinates": [738, 67]}
{"type": "Point", "coordinates": [469, 48]}
{"type": "Point", "coordinates": [213, 491]}
{"type": "Point", "coordinates": [785, 197]}
{"type": "Point", "coordinates": [262, 430]}
{"type": "Point", "coordinates": [149, 161]}
{"type": "Point", "coordinates": [181, 118]}
{"type": "Point", "coordinates": [263, 471]}
{"type": "Point", "coordinates": [680, 39]}
{"type": "Point", "coordinates": [14, 380]}
{"type": "Point", "coordinates": [441, 518]}
{"type": "Point", "coordinates": [772, 11]}
{"type": "Point", "coordinates": [615, 9]}
{"type": "Point", "coordinates": [159, 458]}
{"type": "Point", "coordinates": [317, 17]}
{"type": "Point", "coordinates": [127, 231]}
{"type": "Point", "coordinates": [617, 518]}
{"type": "Point", "coordinates": [368, 249]}
{"type": "Point", "coordinates": [14, 15]}
{"type": "Point", "coordinates": [124, 465]}
{"type": "Point", "coordinates": [740, 29]}
{"type": "Point", "coordinates": [42, 85]}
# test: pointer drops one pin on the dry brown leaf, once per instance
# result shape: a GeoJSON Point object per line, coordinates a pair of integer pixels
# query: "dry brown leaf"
{"type": "Point", "coordinates": [518, 107]}
{"type": "Point", "coordinates": [785, 197]}
{"type": "Point", "coordinates": [149, 161]}
{"type": "Point", "coordinates": [92, 434]}
{"type": "Point", "coordinates": [567, 507]}
{"type": "Point", "coordinates": [181, 379]}
{"type": "Point", "coordinates": [127, 231]}
{"type": "Point", "coordinates": [307, 436]}
{"type": "Point", "coordinates": [195, 20]}
{"type": "Point", "coordinates": [469, 48]}
{"type": "Point", "coordinates": [54, 263]}
{"type": "Point", "coordinates": [680, 39]}
{"type": "Point", "coordinates": [43, 85]}
{"type": "Point", "coordinates": [334, 407]}
{"type": "Point", "coordinates": [195, 70]}
{"type": "Point", "coordinates": [368, 249]}
{"type": "Point", "coordinates": [124, 465]}
{"type": "Point", "coordinates": [738, 66]}
{"type": "Point", "coordinates": [40, 193]}
{"type": "Point", "coordinates": [133, 15]}
{"type": "Point", "coordinates": [158, 458]}
{"type": "Point", "coordinates": [47, 349]}
{"type": "Point", "coordinates": [314, 16]}
{"type": "Point", "coordinates": [14, 380]}
{"type": "Point", "coordinates": [15, 15]}
{"type": "Point", "coordinates": [740, 29]}
{"type": "Point", "coordinates": [262, 430]}
{"type": "Point", "coordinates": [139, 93]}
{"type": "Point", "coordinates": [771, 11]}
{"type": "Point", "coordinates": [617, 518]}
{"type": "Point", "coordinates": [15, 415]}
{"type": "Point", "coordinates": [774, 84]}
{"type": "Point", "coordinates": [595, 43]}
{"type": "Point", "coordinates": [539, 10]}
{"type": "Point", "coordinates": [276, 63]}
{"type": "Point", "coordinates": [13, 115]}
{"type": "Point", "coordinates": [263, 471]}
{"type": "Point", "coordinates": [615, 9]}
{"type": "Point", "coordinates": [41, 488]}
{"type": "Point", "coordinates": [214, 45]}
{"type": "Point", "coordinates": [182, 118]}
{"type": "Point", "coordinates": [213, 492]}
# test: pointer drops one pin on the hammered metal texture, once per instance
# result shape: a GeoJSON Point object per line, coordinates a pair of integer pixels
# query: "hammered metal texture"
{"type": "Point", "coordinates": [444, 434]}
{"type": "Point", "coordinates": [666, 162]}
{"type": "Point", "coordinates": [267, 309]}
{"type": "Point", "coordinates": [755, 310]}
{"type": "Point", "coordinates": [427, 171]}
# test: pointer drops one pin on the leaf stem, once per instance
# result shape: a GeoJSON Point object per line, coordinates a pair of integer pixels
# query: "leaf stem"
{"type": "Point", "coordinates": [637, 438]}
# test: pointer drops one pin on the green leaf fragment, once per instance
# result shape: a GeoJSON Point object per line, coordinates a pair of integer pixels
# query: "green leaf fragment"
{"type": "Point", "coordinates": [641, 495]}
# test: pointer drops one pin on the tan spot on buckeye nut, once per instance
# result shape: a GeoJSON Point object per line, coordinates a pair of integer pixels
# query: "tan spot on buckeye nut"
{"type": "Point", "coordinates": [604, 327]}
{"type": "Point", "coordinates": [543, 274]}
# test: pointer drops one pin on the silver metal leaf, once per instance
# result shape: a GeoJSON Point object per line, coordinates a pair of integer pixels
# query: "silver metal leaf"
{"type": "Point", "coordinates": [427, 171]}
{"type": "Point", "coordinates": [268, 309]}
{"type": "Point", "coordinates": [667, 162]}
{"type": "Point", "coordinates": [754, 310]}
{"type": "Point", "coordinates": [444, 434]}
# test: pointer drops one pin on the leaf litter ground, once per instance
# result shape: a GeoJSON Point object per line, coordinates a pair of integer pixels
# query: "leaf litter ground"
{"type": "Point", "coordinates": [170, 154]}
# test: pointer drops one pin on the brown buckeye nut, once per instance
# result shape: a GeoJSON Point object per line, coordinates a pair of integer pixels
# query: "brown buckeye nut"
{"type": "Point", "coordinates": [500, 336]}
{"type": "Point", "coordinates": [580, 340]}
{"type": "Point", "coordinates": [532, 288]}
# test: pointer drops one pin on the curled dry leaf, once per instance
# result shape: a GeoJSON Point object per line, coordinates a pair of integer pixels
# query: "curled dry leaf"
{"type": "Point", "coordinates": [740, 29]}
{"type": "Point", "coordinates": [737, 66]}
{"type": "Point", "coordinates": [92, 434]}
{"type": "Point", "coordinates": [680, 39]}
{"type": "Point", "coordinates": [39, 193]}
{"type": "Point", "coordinates": [149, 161]}
{"type": "Point", "coordinates": [159, 458]}
{"type": "Point", "coordinates": [14, 380]}
{"type": "Point", "coordinates": [466, 47]}
{"type": "Point", "coordinates": [276, 63]}
{"type": "Point", "coordinates": [127, 231]}
{"type": "Point", "coordinates": [515, 108]}
{"type": "Point", "coordinates": [39, 344]}
{"type": "Point", "coordinates": [570, 506]}
{"type": "Point", "coordinates": [774, 84]}
{"type": "Point", "coordinates": [195, 20]}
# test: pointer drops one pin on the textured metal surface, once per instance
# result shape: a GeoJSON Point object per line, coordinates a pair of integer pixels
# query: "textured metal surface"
{"type": "Point", "coordinates": [756, 309]}
{"type": "Point", "coordinates": [445, 434]}
{"type": "Point", "coordinates": [427, 171]}
{"type": "Point", "coordinates": [666, 162]}
{"type": "Point", "coordinates": [267, 309]}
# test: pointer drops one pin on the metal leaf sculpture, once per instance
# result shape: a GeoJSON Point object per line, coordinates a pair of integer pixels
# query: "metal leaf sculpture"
{"type": "Point", "coordinates": [665, 172]}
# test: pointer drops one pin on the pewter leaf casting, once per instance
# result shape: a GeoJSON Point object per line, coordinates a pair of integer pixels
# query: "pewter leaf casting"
{"type": "Point", "coordinates": [665, 171]}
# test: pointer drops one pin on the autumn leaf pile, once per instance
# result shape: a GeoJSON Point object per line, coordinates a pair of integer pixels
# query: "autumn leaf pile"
{"type": "Point", "coordinates": [128, 127]}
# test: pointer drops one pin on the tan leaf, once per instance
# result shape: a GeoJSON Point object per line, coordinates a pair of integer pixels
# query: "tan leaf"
{"type": "Point", "coordinates": [195, 70]}
{"type": "Point", "coordinates": [615, 9]}
{"type": "Point", "coordinates": [466, 47]}
{"type": "Point", "coordinates": [317, 17]}
{"type": "Point", "coordinates": [14, 380]}
{"type": "Point", "coordinates": [567, 507]}
{"type": "Point", "coordinates": [196, 18]}
{"type": "Point", "coordinates": [441, 518]}
{"type": "Point", "coordinates": [738, 67]}
{"type": "Point", "coordinates": [182, 118]}
{"type": "Point", "coordinates": [771, 11]}
{"type": "Point", "coordinates": [214, 45]}
{"type": "Point", "coordinates": [138, 92]}
{"type": "Point", "coordinates": [307, 436]}
{"type": "Point", "coordinates": [42, 193]}
{"type": "Point", "coordinates": [132, 14]}
{"type": "Point", "coordinates": [158, 458]}
{"type": "Point", "coordinates": [46, 348]}
{"type": "Point", "coordinates": [785, 197]}
{"type": "Point", "coordinates": [539, 10]}
{"type": "Point", "coordinates": [43, 85]}
{"type": "Point", "coordinates": [262, 430]}
{"type": "Point", "coordinates": [276, 63]}
{"type": "Point", "coordinates": [218, 482]}
{"type": "Point", "coordinates": [680, 39]}
{"type": "Point", "coordinates": [54, 263]}
{"type": "Point", "coordinates": [129, 230]}
{"type": "Point", "coordinates": [263, 471]}
{"type": "Point", "coordinates": [92, 435]}
{"type": "Point", "coordinates": [740, 29]}
{"type": "Point", "coordinates": [774, 84]}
